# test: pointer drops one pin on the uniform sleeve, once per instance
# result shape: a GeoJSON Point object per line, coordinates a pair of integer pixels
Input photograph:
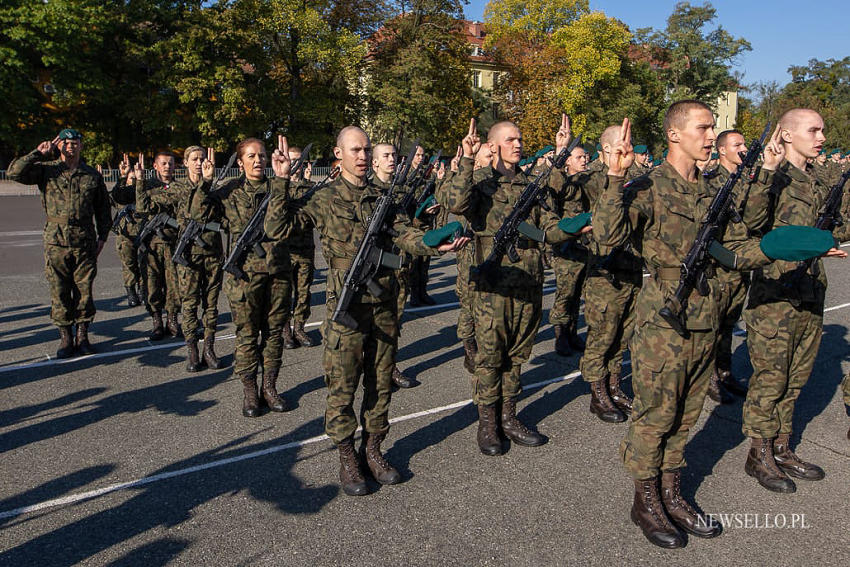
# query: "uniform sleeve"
{"type": "Point", "coordinates": [28, 170]}
{"type": "Point", "coordinates": [123, 194]}
{"type": "Point", "coordinates": [409, 239]}
{"type": "Point", "coordinates": [458, 193]}
{"type": "Point", "coordinates": [144, 204]}
{"type": "Point", "coordinates": [758, 201]}
{"type": "Point", "coordinates": [102, 210]}
{"type": "Point", "coordinates": [284, 214]}
{"type": "Point", "coordinates": [613, 220]}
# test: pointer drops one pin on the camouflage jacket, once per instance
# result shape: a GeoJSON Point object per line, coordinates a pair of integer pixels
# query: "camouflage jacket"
{"type": "Point", "coordinates": [123, 195]}
{"type": "Point", "coordinates": [340, 212]}
{"type": "Point", "coordinates": [795, 198]}
{"type": "Point", "coordinates": [76, 202]}
{"type": "Point", "coordinates": [486, 202]}
{"type": "Point", "coordinates": [188, 201]}
{"type": "Point", "coordinates": [664, 216]}
{"type": "Point", "coordinates": [239, 199]}
{"type": "Point", "coordinates": [152, 197]}
{"type": "Point", "coordinates": [301, 237]}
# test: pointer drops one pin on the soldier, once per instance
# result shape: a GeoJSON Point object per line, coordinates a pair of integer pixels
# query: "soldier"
{"type": "Point", "coordinates": [642, 163]}
{"type": "Point", "coordinates": [302, 252]}
{"type": "Point", "coordinates": [568, 260]}
{"type": "Point", "coordinates": [199, 282]}
{"type": "Point", "coordinates": [784, 318]}
{"type": "Point", "coordinates": [339, 212]}
{"type": "Point", "coordinates": [507, 307]}
{"type": "Point", "coordinates": [419, 265]}
{"type": "Point", "coordinates": [733, 283]}
{"type": "Point", "coordinates": [260, 303]}
{"type": "Point", "coordinates": [76, 202]}
{"type": "Point", "coordinates": [123, 195]}
{"type": "Point", "coordinates": [670, 373]}
{"type": "Point", "coordinates": [163, 290]}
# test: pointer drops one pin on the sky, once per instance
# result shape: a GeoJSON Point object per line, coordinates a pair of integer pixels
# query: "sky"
{"type": "Point", "coordinates": [782, 33]}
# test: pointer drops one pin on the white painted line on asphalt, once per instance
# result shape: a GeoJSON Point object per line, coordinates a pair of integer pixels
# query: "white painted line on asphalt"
{"type": "Point", "coordinates": [74, 498]}
{"type": "Point", "coordinates": [22, 233]}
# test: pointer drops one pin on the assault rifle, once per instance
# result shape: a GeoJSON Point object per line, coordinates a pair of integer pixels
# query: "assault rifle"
{"type": "Point", "coordinates": [504, 242]}
{"type": "Point", "coordinates": [334, 173]}
{"type": "Point", "coordinates": [370, 257]}
{"type": "Point", "coordinates": [154, 226]}
{"type": "Point", "coordinates": [410, 203]}
{"type": "Point", "coordinates": [253, 233]}
{"type": "Point", "coordinates": [127, 211]}
{"type": "Point", "coordinates": [693, 275]}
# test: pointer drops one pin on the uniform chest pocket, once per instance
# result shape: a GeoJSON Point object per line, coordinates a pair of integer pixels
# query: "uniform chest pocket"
{"type": "Point", "coordinates": [797, 207]}
{"type": "Point", "coordinates": [679, 209]}
{"type": "Point", "coordinates": [344, 210]}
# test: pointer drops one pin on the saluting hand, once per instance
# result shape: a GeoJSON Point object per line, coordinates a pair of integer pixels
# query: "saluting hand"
{"type": "Point", "coordinates": [280, 158]}
{"type": "Point", "coordinates": [622, 153]}
{"type": "Point", "coordinates": [455, 164]}
{"type": "Point", "coordinates": [564, 135]}
{"type": "Point", "coordinates": [138, 169]}
{"type": "Point", "coordinates": [774, 151]}
{"type": "Point", "coordinates": [46, 148]}
{"type": "Point", "coordinates": [471, 142]}
{"type": "Point", "coordinates": [208, 165]}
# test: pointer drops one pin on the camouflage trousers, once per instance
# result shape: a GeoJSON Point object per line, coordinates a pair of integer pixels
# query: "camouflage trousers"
{"type": "Point", "coordinates": [163, 290]}
{"type": "Point", "coordinates": [70, 274]}
{"type": "Point", "coordinates": [200, 284]}
{"type": "Point", "coordinates": [569, 280]}
{"type": "Point", "coordinates": [303, 266]}
{"type": "Point", "coordinates": [733, 295]}
{"type": "Point", "coordinates": [465, 321]}
{"type": "Point", "coordinates": [783, 343]}
{"type": "Point", "coordinates": [260, 308]}
{"type": "Point", "coordinates": [403, 276]}
{"type": "Point", "coordinates": [369, 351]}
{"type": "Point", "coordinates": [670, 377]}
{"type": "Point", "coordinates": [505, 329]}
{"type": "Point", "coordinates": [131, 272]}
{"type": "Point", "coordinates": [845, 386]}
{"type": "Point", "coordinates": [610, 316]}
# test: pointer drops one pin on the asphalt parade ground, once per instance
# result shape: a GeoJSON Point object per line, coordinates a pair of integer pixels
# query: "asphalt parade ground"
{"type": "Point", "coordinates": [124, 458]}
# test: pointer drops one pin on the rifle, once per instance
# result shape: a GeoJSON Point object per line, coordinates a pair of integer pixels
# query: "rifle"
{"type": "Point", "coordinates": [154, 225]}
{"type": "Point", "coordinates": [321, 184]}
{"type": "Point", "coordinates": [407, 202]}
{"type": "Point", "coordinates": [430, 186]}
{"type": "Point", "coordinates": [253, 233]}
{"type": "Point", "coordinates": [829, 218]}
{"type": "Point", "coordinates": [127, 211]}
{"type": "Point", "coordinates": [504, 242]}
{"type": "Point", "coordinates": [194, 229]}
{"type": "Point", "coordinates": [370, 257]}
{"type": "Point", "coordinates": [706, 244]}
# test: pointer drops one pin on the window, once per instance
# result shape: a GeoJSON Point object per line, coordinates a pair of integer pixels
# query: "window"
{"type": "Point", "coordinates": [476, 79]}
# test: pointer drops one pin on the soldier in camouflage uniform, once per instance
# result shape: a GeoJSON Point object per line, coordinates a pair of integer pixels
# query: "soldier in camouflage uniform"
{"type": "Point", "coordinates": [784, 317]}
{"type": "Point", "coordinates": [419, 265]}
{"type": "Point", "coordinates": [132, 271]}
{"type": "Point", "coordinates": [163, 290]}
{"type": "Point", "coordinates": [670, 373]}
{"type": "Point", "coordinates": [302, 253]}
{"type": "Point", "coordinates": [76, 202]}
{"type": "Point", "coordinates": [260, 303]}
{"type": "Point", "coordinates": [509, 306]}
{"type": "Point", "coordinates": [339, 212]}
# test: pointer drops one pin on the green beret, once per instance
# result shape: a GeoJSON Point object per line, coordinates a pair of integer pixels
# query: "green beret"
{"type": "Point", "coordinates": [664, 153]}
{"type": "Point", "coordinates": [429, 202]}
{"type": "Point", "coordinates": [598, 146]}
{"type": "Point", "coordinates": [715, 155]}
{"type": "Point", "coordinates": [594, 156]}
{"type": "Point", "coordinates": [641, 149]}
{"type": "Point", "coordinates": [571, 225]}
{"type": "Point", "coordinates": [71, 134]}
{"type": "Point", "coordinates": [656, 162]}
{"type": "Point", "coordinates": [546, 150]}
{"type": "Point", "coordinates": [835, 151]}
{"type": "Point", "coordinates": [437, 236]}
{"type": "Point", "coordinates": [796, 243]}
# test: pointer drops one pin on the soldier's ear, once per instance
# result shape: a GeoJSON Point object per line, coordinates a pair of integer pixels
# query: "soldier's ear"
{"type": "Point", "coordinates": [673, 135]}
{"type": "Point", "coordinates": [337, 152]}
{"type": "Point", "coordinates": [785, 135]}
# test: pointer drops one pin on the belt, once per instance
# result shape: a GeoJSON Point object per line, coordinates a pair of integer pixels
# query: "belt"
{"type": "Point", "coordinates": [63, 220]}
{"type": "Point", "coordinates": [667, 274]}
{"type": "Point", "coordinates": [338, 263]}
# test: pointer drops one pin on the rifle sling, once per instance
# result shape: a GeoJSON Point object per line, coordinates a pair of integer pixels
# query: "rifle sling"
{"type": "Point", "coordinates": [388, 260]}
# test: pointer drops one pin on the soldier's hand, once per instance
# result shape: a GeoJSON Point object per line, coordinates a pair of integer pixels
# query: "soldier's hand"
{"type": "Point", "coordinates": [138, 169]}
{"type": "Point", "coordinates": [441, 170]}
{"type": "Point", "coordinates": [47, 148]}
{"type": "Point", "coordinates": [774, 150]}
{"type": "Point", "coordinates": [433, 209]}
{"type": "Point", "coordinates": [280, 158]}
{"type": "Point", "coordinates": [208, 165]}
{"type": "Point", "coordinates": [455, 164]}
{"type": "Point", "coordinates": [835, 253]}
{"type": "Point", "coordinates": [585, 230]}
{"type": "Point", "coordinates": [471, 142]}
{"type": "Point", "coordinates": [457, 244]}
{"type": "Point", "coordinates": [564, 135]}
{"type": "Point", "coordinates": [308, 170]}
{"type": "Point", "coordinates": [622, 153]}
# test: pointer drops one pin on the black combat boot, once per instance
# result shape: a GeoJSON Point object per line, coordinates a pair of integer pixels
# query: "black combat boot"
{"type": "Point", "coordinates": [288, 339]}
{"type": "Point", "coordinates": [350, 476]}
{"type": "Point", "coordinates": [370, 452]}
{"type": "Point", "coordinates": [209, 351]}
{"type": "Point", "coordinates": [66, 342]}
{"type": "Point", "coordinates": [172, 326]}
{"type": "Point", "coordinates": [158, 331]}
{"type": "Point", "coordinates": [682, 514]}
{"type": "Point", "coordinates": [488, 434]}
{"type": "Point", "coordinates": [470, 351]}
{"type": "Point", "coordinates": [648, 514]}
{"type": "Point", "coordinates": [717, 392]}
{"type": "Point", "coordinates": [270, 395]}
{"type": "Point", "coordinates": [194, 363]}
{"type": "Point", "coordinates": [401, 380]}
{"type": "Point", "coordinates": [562, 342]}
{"type": "Point", "coordinates": [793, 465]}
{"type": "Point", "coordinates": [301, 335]}
{"type": "Point", "coordinates": [762, 467]}
{"type": "Point", "coordinates": [515, 430]}
{"type": "Point", "coordinates": [83, 345]}
{"type": "Point", "coordinates": [618, 396]}
{"type": "Point", "coordinates": [731, 384]}
{"type": "Point", "coordinates": [132, 298]}
{"type": "Point", "coordinates": [601, 404]}
{"type": "Point", "coordinates": [250, 400]}
{"type": "Point", "coordinates": [424, 265]}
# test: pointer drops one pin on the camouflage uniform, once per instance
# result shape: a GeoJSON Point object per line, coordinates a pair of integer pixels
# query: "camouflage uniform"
{"type": "Point", "coordinates": [670, 373]}
{"type": "Point", "coordinates": [508, 310]}
{"type": "Point", "coordinates": [128, 229]}
{"type": "Point", "coordinates": [163, 290]}
{"type": "Point", "coordinates": [78, 215]}
{"type": "Point", "coordinates": [339, 212]}
{"type": "Point", "coordinates": [784, 323]}
{"type": "Point", "coordinates": [302, 252]}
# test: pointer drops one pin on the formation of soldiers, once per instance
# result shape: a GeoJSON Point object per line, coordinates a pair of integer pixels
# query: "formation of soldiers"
{"type": "Point", "coordinates": [600, 227]}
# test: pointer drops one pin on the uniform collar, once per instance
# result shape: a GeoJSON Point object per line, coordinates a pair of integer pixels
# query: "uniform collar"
{"type": "Point", "coordinates": [679, 183]}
